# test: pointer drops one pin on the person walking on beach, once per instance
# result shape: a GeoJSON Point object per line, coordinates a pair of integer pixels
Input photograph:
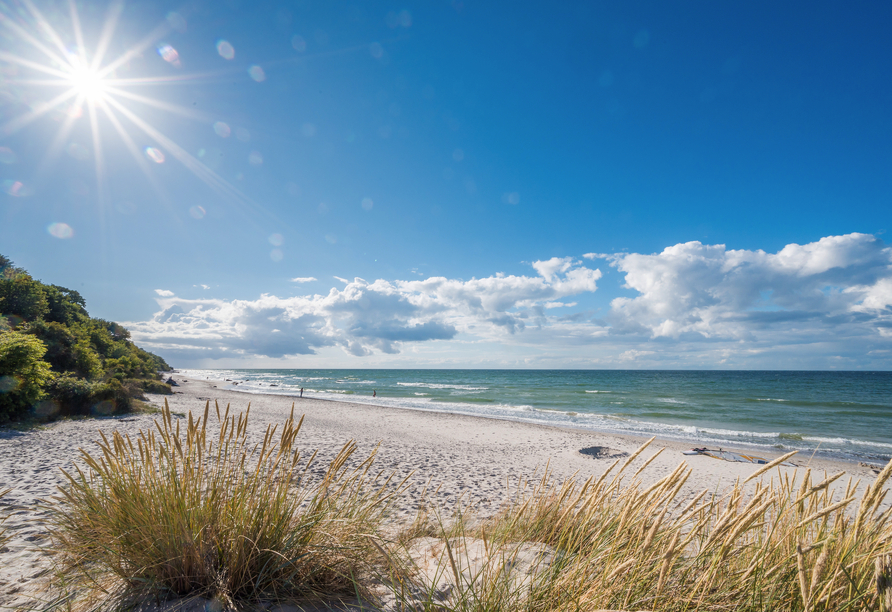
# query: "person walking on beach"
{"type": "Point", "coordinates": [374, 393]}
{"type": "Point", "coordinates": [301, 391]}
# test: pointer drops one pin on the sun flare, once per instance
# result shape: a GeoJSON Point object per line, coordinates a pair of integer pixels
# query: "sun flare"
{"type": "Point", "coordinates": [87, 82]}
{"type": "Point", "coordinates": [88, 87]}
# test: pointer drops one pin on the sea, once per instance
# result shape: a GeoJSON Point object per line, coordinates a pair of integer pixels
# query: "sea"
{"type": "Point", "coordinates": [843, 415]}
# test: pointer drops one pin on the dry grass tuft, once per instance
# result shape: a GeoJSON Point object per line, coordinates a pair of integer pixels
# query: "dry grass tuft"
{"type": "Point", "coordinates": [4, 536]}
{"type": "Point", "coordinates": [181, 511]}
{"type": "Point", "coordinates": [788, 544]}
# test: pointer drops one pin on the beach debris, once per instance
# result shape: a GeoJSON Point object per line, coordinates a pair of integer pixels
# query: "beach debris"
{"type": "Point", "coordinates": [602, 452]}
{"type": "Point", "coordinates": [733, 457]}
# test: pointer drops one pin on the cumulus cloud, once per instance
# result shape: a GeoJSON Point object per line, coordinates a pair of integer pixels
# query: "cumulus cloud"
{"type": "Point", "coordinates": [164, 292]}
{"type": "Point", "coordinates": [364, 317]}
{"type": "Point", "coordinates": [823, 304]}
{"type": "Point", "coordinates": [839, 284]}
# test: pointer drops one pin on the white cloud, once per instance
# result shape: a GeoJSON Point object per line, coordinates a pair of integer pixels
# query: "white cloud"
{"type": "Point", "coordinates": [823, 304]}
{"type": "Point", "coordinates": [164, 292]}
{"type": "Point", "coordinates": [363, 317]}
{"type": "Point", "coordinates": [303, 279]}
{"type": "Point", "coordinates": [693, 290]}
{"type": "Point", "coordinates": [205, 287]}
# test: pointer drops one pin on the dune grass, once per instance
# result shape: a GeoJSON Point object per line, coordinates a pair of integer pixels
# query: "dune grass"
{"type": "Point", "coordinates": [784, 544]}
{"type": "Point", "coordinates": [4, 535]}
{"type": "Point", "coordinates": [184, 512]}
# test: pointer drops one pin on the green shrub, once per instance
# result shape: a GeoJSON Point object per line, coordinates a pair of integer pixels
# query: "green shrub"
{"type": "Point", "coordinates": [77, 396]}
{"type": "Point", "coordinates": [192, 513]}
{"type": "Point", "coordinates": [23, 373]}
{"type": "Point", "coordinates": [156, 386]}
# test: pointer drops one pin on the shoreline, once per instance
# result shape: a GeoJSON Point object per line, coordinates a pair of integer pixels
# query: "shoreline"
{"type": "Point", "coordinates": [628, 442]}
{"type": "Point", "coordinates": [678, 443]}
{"type": "Point", "coordinates": [447, 460]}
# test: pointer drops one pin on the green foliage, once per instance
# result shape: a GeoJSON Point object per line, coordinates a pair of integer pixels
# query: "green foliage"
{"type": "Point", "coordinates": [101, 370]}
{"type": "Point", "coordinates": [23, 297]}
{"type": "Point", "coordinates": [156, 386]}
{"type": "Point", "coordinates": [65, 306]}
{"type": "Point", "coordinates": [23, 373]}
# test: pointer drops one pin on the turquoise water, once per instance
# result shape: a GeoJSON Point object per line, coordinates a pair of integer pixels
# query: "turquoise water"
{"type": "Point", "coordinates": [842, 414]}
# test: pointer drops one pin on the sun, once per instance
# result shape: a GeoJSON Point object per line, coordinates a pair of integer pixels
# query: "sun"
{"type": "Point", "coordinates": [71, 83]}
{"type": "Point", "coordinates": [88, 82]}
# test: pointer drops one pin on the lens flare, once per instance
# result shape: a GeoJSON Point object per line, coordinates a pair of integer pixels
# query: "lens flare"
{"type": "Point", "coordinates": [169, 55]}
{"type": "Point", "coordinates": [276, 255]}
{"type": "Point", "coordinates": [16, 189]}
{"type": "Point", "coordinates": [255, 158]}
{"type": "Point", "coordinates": [197, 212]}
{"type": "Point", "coordinates": [299, 44]}
{"type": "Point", "coordinates": [222, 129]}
{"type": "Point", "coordinates": [155, 155]}
{"type": "Point", "coordinates": [276, 240]}
{"type": "Point", "coordinates": [60, 230]}
{"type": "Point", "coordinates": [257, 73]}
{"type": "Point", "coordinates": [226, 50]}
{"type": "Point", "coordinates": [367, 203]}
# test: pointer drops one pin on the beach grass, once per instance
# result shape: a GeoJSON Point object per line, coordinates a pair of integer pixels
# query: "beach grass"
{"type": "Point", "coordinates": [785, 544]}
{"type": "Point", "coordinates": [184, 512]}
{"type": "Point", "coordinates": [179, 513]}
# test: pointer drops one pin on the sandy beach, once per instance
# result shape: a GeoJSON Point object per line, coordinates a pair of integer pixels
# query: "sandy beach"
{"type": "Point", "coordinates": [479, 461]}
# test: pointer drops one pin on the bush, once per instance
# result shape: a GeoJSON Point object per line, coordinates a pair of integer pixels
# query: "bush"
{"type": "Point", "coordinates": [77, 396]}
{"type": "Point", "coordinates": [23, 373]}
{"type": "Point", "coordinates": [156, 386]}
{"type": "Point", "coordinates": [198, 514]}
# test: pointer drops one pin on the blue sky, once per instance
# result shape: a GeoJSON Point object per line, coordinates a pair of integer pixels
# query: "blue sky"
{"type": "Point", "coordinates": [727, 170]}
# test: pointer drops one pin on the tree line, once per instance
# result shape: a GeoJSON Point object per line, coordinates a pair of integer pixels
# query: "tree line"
{"type": "Point", "coordinates": [57, 360]}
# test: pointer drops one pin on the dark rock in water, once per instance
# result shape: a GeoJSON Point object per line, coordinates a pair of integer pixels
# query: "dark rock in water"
{"type": "Point", "coordinates": [602, 452]}
{"type": "Point", "coordinates": [274, 385]}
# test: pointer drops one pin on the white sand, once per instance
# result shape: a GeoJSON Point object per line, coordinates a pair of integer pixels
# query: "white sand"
{"type": "Point", "coordinates": [477, 460]}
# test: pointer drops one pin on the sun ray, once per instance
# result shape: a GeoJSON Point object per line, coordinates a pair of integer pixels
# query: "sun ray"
{"type": "Point", "coordinates": [136, 50]}
{"type": "Point", "coordinates": [44, 25]}
{"type": "Point", "coordinates": [56, 145]}
{"type": "Point", "coordinates": [95, 93]}
{"type": "Point", "coordinates": [97, 151]}
{"type": "Point", "coordinates": [19, 122]}
{"type": "Point", "coordinates": [173, 108]}
{"type": "Point", "coordinates": [78, 32]}
{"type": "Point", "coordinates": [15, 59]}
{"type": "Point", "coordinates": [132, 147]}
{"type": "Point", "coordinates": [108, 30]}
{"type": "Point", "coordinates": [210, 178]}
{"type": "Point", "coordinates": [20, 31]}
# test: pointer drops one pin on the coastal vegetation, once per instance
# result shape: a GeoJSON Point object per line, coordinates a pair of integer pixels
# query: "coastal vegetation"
{"type": "Point", "coordinates": [56, 360]}
{"type": "Point", "coordinates": [199, 511]}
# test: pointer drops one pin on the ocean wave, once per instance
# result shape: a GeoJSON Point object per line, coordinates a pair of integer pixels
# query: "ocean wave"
{"type": "Point", "coordinates": [597, 391]}
{"type": "Point", "coordinates": [442, 386]}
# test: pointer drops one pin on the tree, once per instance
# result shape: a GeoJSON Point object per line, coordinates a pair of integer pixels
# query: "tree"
{"type": "Point", "coordinates": [23, 297]}
{"type": "Point", "coordinates": [23, 373]}
{"type": "Point", "coordinates": [65, 306]}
